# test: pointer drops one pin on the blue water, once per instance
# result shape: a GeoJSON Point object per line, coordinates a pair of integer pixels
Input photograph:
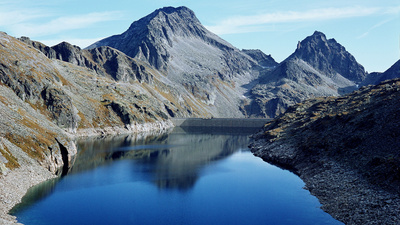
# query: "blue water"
{"type": "Point", "coordinates": [175, 178]}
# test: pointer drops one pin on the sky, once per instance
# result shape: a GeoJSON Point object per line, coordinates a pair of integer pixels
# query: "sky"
{"type": "Point", "coordinates": [368, 29]}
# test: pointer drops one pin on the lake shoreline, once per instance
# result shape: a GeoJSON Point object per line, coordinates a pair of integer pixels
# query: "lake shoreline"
{"type": "Point", "coordinates": [346, 150]}
{"type": "Point", "coordinates": [342, 191]}
{"type": "Point", "coordinates": [15, 183]}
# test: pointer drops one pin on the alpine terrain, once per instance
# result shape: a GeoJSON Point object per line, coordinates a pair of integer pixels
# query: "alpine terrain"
{"type": "Point", "coordinates": [165, 65]}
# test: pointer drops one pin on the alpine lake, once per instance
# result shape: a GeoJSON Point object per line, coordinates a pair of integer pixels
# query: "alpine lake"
{"type": "Point", "coordinates": [184, 176]}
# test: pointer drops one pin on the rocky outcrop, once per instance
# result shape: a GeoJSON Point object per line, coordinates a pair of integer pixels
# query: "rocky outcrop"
{"type": "Point", "coordinates": [318, 67]}
{"type": "Point", "coordinates": [61, 109]}
{"type": "Point", "coordinates": [346, 149]}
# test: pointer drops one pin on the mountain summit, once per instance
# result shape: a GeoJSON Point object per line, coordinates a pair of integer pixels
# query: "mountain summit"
{"type": "Point", "coordinates": [152, 37]}
{"type": "Point", "coordinates": [329, 57]}
{"type": "Point", "coordinates": [145, 38]}
{"type": "Point", "coordinates": [318, 67]}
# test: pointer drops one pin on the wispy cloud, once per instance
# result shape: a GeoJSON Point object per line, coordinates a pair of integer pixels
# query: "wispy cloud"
{"type": "Point", "coordinates": [13, 17]}
{"type": "Point", "coordinates": [246, 24]}
{"type": "Point", "coordinates": [388, 11]}
{"type": "Point", "coordinates": [373, 28]}
{"type": "Point", "coordinates": [19, 11]}
{"type": "Point", "coordinates": [62, 24]}
{"type": "Point", "coordinates": [42, 17]}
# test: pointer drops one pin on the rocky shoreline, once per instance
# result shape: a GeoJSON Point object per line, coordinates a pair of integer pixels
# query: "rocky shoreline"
{"type": "Point", "coordinates": [343, 192]}
{"type": "Point", "coordinates": [15, 183]}
{"type": "Point", "coordinates": [345, 149]}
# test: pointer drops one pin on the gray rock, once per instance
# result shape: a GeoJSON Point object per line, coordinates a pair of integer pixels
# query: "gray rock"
{"type": "Point", "coordinates": [59, 104]}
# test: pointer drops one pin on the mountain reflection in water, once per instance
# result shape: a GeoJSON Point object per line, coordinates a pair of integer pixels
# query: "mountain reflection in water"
{"type": "Point", "coordinates": [170, 160]}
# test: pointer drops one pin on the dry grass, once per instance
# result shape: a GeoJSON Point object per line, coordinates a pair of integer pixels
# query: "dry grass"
{"type": "Point", "coordinates": [12, 161]}
{"type": "Point", "coordinates": [38, 142]}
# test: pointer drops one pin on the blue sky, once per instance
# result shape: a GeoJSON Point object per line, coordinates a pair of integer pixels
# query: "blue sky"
{"type": "Point", "coordinates": [369, 29]}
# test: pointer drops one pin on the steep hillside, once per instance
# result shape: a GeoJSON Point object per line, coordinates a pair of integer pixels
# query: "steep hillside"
{"type": "Point", "coordinates": [318, 67]}
{"type": "Point", "coordinates": [346, 149]}
{"type": "Point", "coordinates": [191, 57]}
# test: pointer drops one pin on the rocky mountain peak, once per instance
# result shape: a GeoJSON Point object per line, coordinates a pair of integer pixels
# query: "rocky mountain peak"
{"type": "Point", "coordinates": [329, 57]}
{"type": "Point", "coordinates": [178, 19]}
{"type": "Point", "coordinates": [174, 42]}
{"type": "Point", "coordinates": [182, 12]}
{"type": "Point", "coordinates": [313, 44]}
{"type": "Point", "coordinates": [151, 38]}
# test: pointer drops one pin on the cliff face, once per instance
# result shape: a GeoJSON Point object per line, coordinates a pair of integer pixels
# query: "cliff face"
{"type": "Point", "coordinates": [318, 67]}
{"type": "Point", "coordinates": [346, 149]}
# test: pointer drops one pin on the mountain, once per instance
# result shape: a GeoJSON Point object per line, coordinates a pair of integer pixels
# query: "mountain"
{"type": "Point", "coordinates": [169, 35]}
{"type": "Point", "coordinates": [346, 150]}
{"type": "Point", "coordinates": [318, 67]}
{"type": "Point", "coordinates": [329, 57]}
{"type": "Point", "coordinates": [173, 41]}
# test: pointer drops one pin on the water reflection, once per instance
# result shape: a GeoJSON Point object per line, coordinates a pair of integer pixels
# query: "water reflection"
{"type": "Point", "coordinates": [173, 159]}
{"type": "Point", "coordinates": [179, 167]}
{"type": "Point", "coordinates": [170, 160]}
